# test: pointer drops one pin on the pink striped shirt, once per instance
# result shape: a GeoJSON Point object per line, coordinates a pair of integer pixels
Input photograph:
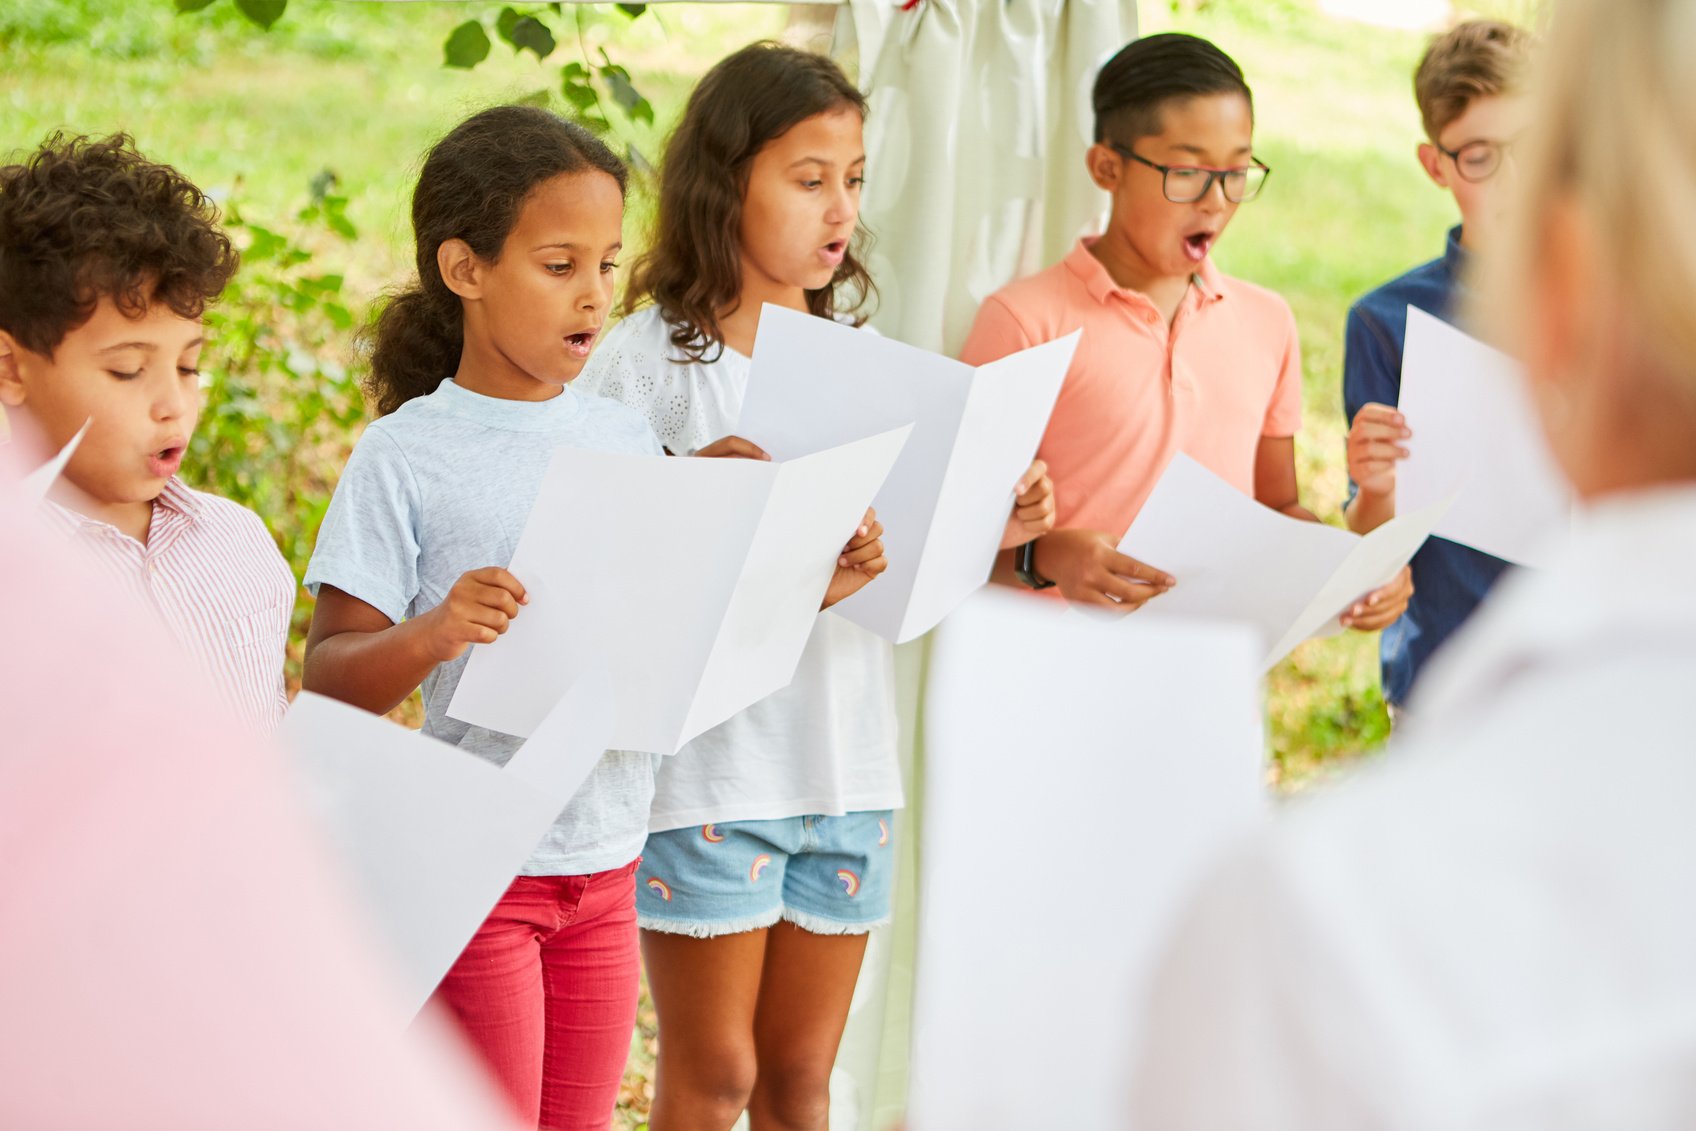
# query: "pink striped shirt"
{"type": "Point", "coordinates": [211, 571]}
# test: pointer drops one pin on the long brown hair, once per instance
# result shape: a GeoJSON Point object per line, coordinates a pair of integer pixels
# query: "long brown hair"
{"type": "Point", "coordinates": [693, 268]}
{"type": "Point", "coordinates": [472, 186]}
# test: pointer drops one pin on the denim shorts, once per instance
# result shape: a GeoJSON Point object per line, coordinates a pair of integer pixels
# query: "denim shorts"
{"type": "Point", "coordinates": [827, 875]}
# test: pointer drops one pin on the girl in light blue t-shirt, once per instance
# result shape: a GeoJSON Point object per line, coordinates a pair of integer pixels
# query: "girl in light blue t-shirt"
{"type": "Point", "coordinates": [518, 216]}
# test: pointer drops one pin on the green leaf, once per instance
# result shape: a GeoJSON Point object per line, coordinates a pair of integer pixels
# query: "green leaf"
{"type": "Point", "coordinates": [633, 10]}
{"type": "Point", "coordinates": [321, 183]}
{"type": "Point", "coordinates": [623, 92]}
{"type": "Point", "coordinates": [638, 162]}
{"type": "Point", "coordinates": [193, 5]}
{"type": "Point", "coordinates": [543, 97]}
{"type": "Point", "coordinates": [578, 92]}
{"type": "Point", "coordinates": [505, 22]}
{"type": "Point", "coordinates": [574, 71]}
{"type": "Point", "coordinates": [263, 12]}
{"type": "Point", "coordinates": [534, 34]}
{"type": "Point", "coordinates": [467, 46]}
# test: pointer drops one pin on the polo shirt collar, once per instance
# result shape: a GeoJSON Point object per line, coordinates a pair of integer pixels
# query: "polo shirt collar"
{"type": "Point", "coordinates": [1206, 281]}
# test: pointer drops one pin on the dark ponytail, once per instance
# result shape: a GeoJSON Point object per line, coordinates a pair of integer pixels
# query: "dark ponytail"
{"type": "Point", "coordinates": [472, 186]}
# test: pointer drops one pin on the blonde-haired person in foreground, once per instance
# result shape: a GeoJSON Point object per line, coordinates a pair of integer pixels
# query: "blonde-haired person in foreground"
{"type": "Point", "coordinates": [1496, 928]}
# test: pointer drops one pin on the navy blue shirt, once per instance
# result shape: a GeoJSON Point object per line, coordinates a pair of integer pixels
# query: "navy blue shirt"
{"type": "Point", "coordinates": [1449, 579]}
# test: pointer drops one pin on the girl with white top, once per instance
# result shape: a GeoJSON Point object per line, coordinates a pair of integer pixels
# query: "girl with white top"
{"type": "Point", "coordinates": [769, 858]}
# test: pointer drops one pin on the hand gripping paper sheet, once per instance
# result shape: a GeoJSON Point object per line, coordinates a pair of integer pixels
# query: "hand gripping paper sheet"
{"type": "Point", "coordinates": [816, 383]}
{"type": "Point", "coordinates": [1235, 559]}
{"type": "Point", "coordinates": [693, 583]}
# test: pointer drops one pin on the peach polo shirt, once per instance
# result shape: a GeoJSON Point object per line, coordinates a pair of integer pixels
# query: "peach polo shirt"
{"type": "Point", "coordinates": [1227, 373]}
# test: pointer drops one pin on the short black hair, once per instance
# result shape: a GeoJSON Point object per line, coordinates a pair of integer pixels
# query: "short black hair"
{"type": "Point", "coordinates": [83, 219]}
{"type": "Point", "coordinates": [1148, 73]}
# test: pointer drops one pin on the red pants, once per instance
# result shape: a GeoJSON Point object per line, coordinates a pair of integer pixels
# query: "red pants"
{"type": "Point", "coordinates": [546, 991]}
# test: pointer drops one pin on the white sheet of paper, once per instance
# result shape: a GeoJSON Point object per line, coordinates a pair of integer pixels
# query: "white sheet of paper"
{"type": "Point", "coordinates": [1476, 432]}
{"type": "Point", "coordinates": [1077, 781]}
{"type": "Point", "coordinates": [431, 835]}
{"type": "Point", "coordinates": [1237, 560]}
{"type": "Point", "coordinates": [693, 582]}
{"type": "Point", "coordinates": [40, 481]}
{"type": "Point", "coordinates": [816, 383]}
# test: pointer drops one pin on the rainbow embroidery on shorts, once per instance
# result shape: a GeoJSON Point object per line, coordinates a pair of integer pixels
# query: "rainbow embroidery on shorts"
{"type": "Point", "coordinates": [659, 885]}
{"type": "Point", "coordinates": [710, 834]}
{"type": "Point", "coordinates": [758, 868]}
{"type": "Point", "coordinates": [882, 833]}
{"type": "Point", "coordinates": [850, 882]}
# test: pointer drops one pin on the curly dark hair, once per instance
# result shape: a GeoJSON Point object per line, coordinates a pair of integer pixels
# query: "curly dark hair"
{"type": "Point", "coordinates": [693, 270]}
{"type": "Point", "coordinates": [472, 187]}
{"type": "Point", "coordinates": [83, 219]}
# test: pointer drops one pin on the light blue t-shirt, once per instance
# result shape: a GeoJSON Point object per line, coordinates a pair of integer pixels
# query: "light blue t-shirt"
{"type": "Point", "coordinates": [443, 486]}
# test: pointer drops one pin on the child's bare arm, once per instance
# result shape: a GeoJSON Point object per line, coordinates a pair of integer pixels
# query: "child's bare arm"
{"type": "Point", "coordinates": [1375, 447]}
{"type": "Point", "coordinates": [358, 655]}
{"type": "Point", "coordinates": [1275, 483]}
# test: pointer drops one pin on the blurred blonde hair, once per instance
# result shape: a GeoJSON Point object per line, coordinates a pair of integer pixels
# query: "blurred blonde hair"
{"type": "Point", "coordinates": [1614, 136]}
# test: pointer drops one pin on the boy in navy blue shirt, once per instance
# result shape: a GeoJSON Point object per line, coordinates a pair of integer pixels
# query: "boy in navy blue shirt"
{"type": "Point", "coordinates": [1472, 112]}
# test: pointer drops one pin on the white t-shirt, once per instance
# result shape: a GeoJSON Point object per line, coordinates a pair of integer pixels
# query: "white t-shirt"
{"type": "Point", "coordinates": [444, 485]}
{"type": "Point", "coordinates": [826, 744]}
{"type": "Point", "coordinates": [1492, 925]}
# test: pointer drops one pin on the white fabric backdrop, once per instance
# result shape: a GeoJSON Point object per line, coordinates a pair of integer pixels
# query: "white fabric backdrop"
{"type": "Point", "coordinates": [975, 169]}
{"type": "Point", "coordinates": [975, 176]}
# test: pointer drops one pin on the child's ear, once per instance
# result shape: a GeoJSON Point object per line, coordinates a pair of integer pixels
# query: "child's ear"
{"type": "Point", "coordinates": [1105, 167]}
{"type": "Point", "coordinates": [11, 381]}
{"type": "Point", "coordinates": [1431, 160]}
{"type": "Point", "coordinates": [461, 270]}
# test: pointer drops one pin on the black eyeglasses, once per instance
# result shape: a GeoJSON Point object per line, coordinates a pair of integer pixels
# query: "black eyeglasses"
{"type": "Point", "coordinates": [1478, 161]}
{"type": "Point", "coordinates": [1186, 184]}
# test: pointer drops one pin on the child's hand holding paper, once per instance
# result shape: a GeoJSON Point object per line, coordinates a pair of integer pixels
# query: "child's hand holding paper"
{"type": "Point", "coordinates": [862, 559]}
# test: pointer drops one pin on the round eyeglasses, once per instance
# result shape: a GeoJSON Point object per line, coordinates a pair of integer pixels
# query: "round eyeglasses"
{"type": "Point", "coordinates": [1186, 184]}
{"type": "Point", "coordinates": [1478, 161]}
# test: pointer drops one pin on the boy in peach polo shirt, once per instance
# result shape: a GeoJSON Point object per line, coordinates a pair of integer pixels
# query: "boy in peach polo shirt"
{"type": "Point", "coordinates": [1175, 356]}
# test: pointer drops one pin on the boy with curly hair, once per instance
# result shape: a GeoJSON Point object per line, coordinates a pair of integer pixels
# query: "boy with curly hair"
{"type": "Point", "coordinates": [107, 261]}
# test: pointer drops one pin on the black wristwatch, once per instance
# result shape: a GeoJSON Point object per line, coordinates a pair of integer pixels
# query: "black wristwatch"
{"type": "Point", "coordinates": [1024, 567]}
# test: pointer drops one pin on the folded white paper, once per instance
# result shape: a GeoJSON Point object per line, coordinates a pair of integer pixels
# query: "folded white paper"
{"type": "Point", "coordinates": [816, 383]}
{"type": "Point", "coordinates": [431, 835]}
{"type": "Point", "coordinates": [40, 481]}
{"type": "Point", "coordinates": [1476, 435]}
{"type": "Point", "coordinates": [1235, 559]}
{"type": "Point", "coordinates": [694, 583]}
{"type": "Point", "coordinates": [1078, 779]}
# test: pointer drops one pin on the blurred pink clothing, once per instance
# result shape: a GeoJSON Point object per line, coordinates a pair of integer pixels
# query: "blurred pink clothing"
{"type": "Point", "coordinates": [175, 950]}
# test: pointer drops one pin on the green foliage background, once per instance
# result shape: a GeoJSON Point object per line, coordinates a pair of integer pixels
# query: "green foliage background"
{"type": "Point", "coordinates": [309, 134]}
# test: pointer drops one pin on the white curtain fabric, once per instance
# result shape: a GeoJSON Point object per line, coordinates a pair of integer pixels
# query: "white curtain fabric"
{"type": "Point", "coordinates": [975, 176]}
{"type": "Point", "coordinates": [975, 169]}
